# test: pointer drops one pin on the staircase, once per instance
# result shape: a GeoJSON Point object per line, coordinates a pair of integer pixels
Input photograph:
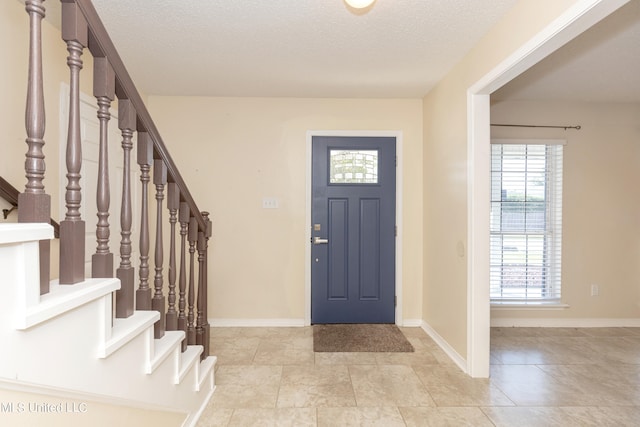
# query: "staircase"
{"type": "Point", "coordinates": [132, 333]}
{"type": "Point", "coordinates": [66, 339]}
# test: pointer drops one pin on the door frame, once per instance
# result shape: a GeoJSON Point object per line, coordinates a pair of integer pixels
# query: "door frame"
{"type": "Point", "coordinates": [573, 22]}
{"type": "Point", "coordinates": [307, 233]}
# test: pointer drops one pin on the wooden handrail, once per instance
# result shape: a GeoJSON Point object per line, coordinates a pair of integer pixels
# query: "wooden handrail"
{"type": "Point", "coordinates": [10, 194]}
{"type": "Point", "coordinates": [100, 45]}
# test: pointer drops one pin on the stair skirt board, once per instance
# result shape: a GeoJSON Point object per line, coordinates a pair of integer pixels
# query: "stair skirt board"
{"type": "Point", "coordinates": [66, 342]}
{"type": "Point", "coordinates": [87, 397]}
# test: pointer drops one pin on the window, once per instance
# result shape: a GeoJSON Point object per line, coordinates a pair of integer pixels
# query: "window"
{"type": "Point", "coordinates": [526, 221]}
{"type": "Point", "coordinates": [353, 166]}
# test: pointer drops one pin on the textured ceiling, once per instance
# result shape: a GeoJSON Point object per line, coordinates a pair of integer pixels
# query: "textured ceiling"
{"type": "Point", "coordinates": [295, 48]}
{"type": "Point", "coordinates": [321, 48]}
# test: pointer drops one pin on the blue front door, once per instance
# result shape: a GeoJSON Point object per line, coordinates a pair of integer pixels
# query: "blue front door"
{"type": "Point", "coordinates": [353, 229]}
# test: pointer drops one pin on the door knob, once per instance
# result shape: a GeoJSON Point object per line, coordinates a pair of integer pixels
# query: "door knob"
{"type": "Point", "coordinates": [319, 241]}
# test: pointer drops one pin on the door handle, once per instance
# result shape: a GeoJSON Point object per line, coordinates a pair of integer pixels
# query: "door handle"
{"type": "Point", "coordinates": [319, 241]}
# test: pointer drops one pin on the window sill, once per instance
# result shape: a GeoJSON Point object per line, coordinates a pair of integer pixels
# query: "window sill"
{"type": "Point", "coordinates": [528, 306]}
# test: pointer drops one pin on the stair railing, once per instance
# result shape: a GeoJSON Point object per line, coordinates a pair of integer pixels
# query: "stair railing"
{"type": "Point", "coordinates": [82, 29]}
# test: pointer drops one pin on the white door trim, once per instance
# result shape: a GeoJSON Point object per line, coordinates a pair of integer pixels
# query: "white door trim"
{"type": "Point", "coordinates": [577, 19]}
{"type": "Point", "coordinates": [307, 234]}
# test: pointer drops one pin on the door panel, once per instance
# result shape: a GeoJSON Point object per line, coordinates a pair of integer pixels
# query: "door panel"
{"type": "Point", "coordinates": [370, 249]}
{"type": "Point", "coordinates": [353, 230]}
{"type": "Point", "coordinates": [337, 250]}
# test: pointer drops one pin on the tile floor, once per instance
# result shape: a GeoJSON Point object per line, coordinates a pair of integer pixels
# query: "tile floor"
{"type": "Point", "coordinates": [539, 377]}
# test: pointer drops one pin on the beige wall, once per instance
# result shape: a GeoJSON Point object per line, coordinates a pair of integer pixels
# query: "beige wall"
{"type": "Point", "coordinates": [601, 206]}
{"type": "Point", "coordinates": [252, 148]}
{"type": "Point", "coordinates": [445, 168]}
{"type": "Point", "coordinates": [232, 152]}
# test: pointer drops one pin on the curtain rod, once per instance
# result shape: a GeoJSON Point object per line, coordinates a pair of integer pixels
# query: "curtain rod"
{"type": "Point", "coordinates": [540, 126]}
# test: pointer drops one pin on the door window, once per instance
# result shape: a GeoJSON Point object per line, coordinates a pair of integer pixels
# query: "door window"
{"type": "Point", "coordinates": [353, 166]}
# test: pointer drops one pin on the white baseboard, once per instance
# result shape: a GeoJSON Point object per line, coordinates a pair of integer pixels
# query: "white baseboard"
{"type": "Point", "coordinates": [444, 345]}
{"type": "Point", "coordinates": [564, 323]}
{"type": "Point", "coordinates": [287, 323]}
{"type": "Point", "coordinates": [412, 323]}
{"type": "Point", "coordinates": [256, 323]}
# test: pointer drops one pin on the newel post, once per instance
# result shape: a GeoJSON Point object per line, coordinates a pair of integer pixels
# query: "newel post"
{"type": "Point", "coordinates": [72, 228]}
{"type": "Point", "coordinates": [35, 204]}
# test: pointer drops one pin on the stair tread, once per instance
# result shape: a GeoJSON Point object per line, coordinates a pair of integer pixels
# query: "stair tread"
{"type": "Point", "coordinates": [163, 347]}
{"type": "Point", "coordinates": [63, 298]}
{"type": "Point", "coordinates": [24, 232]}
{"type": "Point", "coordinates": [124, 330]}
{"type": "Point", "coordinates": [206, 366]}
{"type": "Point", "coordinates": [188, 359]}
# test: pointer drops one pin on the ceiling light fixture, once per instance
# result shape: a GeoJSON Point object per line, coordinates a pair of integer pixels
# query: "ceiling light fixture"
{"type": "Point", "coordinates": [359, 4]}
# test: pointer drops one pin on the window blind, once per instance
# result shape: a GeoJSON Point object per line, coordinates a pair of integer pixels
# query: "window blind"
{"type": "Point", "coordinates": [526, 222]}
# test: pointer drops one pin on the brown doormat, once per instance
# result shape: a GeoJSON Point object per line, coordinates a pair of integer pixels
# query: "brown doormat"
{"type": "Point", "coordinates": [359, 338]}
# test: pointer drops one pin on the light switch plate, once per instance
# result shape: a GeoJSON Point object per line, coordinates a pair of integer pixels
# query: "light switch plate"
{"type": "Point", "coordinates": [270, 203]}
